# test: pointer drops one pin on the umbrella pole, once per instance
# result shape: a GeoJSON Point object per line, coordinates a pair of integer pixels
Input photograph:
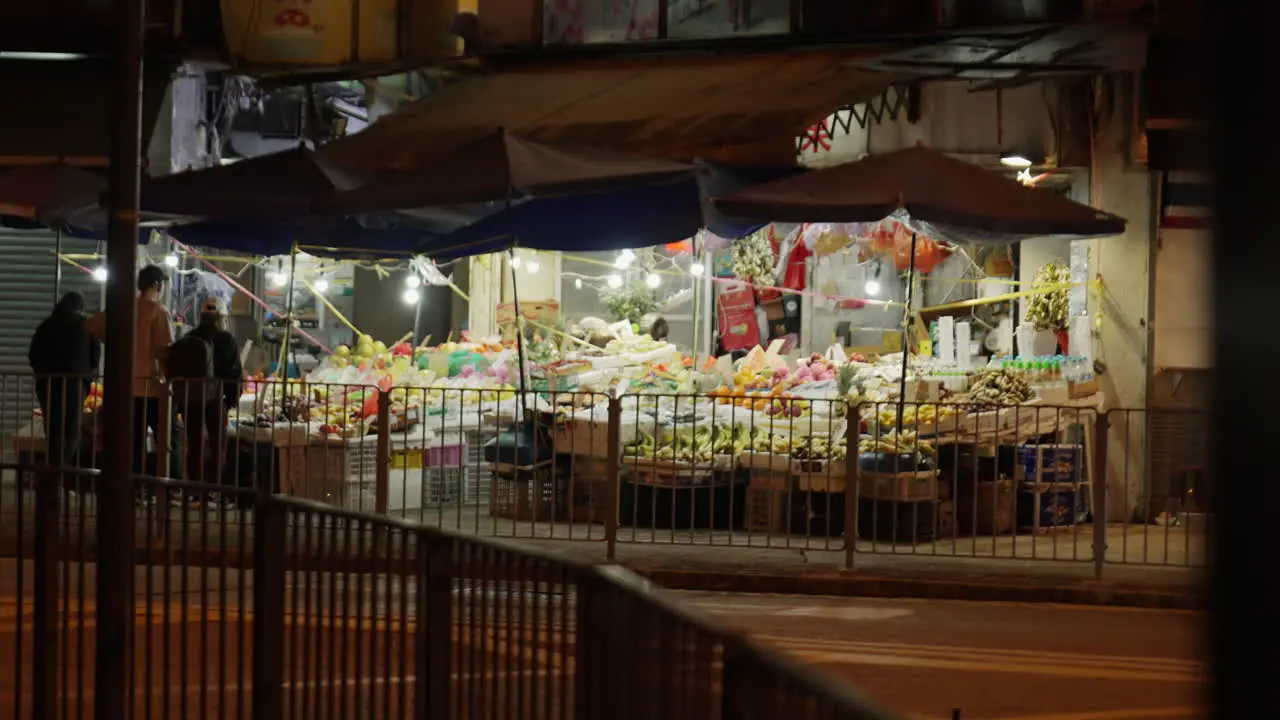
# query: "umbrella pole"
{"type": "Point", "coordinates": [57, 263]}
{"type": "Point", "coordinates": [288, 313]}
{"type": "Point", "coordinates": [515, 302]}
{"type": "Point", "coordinates": [906, 329]}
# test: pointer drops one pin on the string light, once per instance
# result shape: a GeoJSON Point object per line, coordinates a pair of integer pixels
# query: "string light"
{"type": "Point", "coordinates": [615, 281]}
{"type": "Point", "coordinates": [171, 260]}
{"type": "Point", "coordinates": [412, 280]}
{"type": "Point", "coordinates": [697, 269]}
{"type": "Point", "coordinates": [411, 296]}
{"type": "Point", "coordinates": [100, 274]}
{"type": "Point", "coordinates": [653, 280]}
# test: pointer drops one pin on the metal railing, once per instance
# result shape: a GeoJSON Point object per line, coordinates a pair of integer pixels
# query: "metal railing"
{"type": "Point", "coordinates": [1054, 482]}
{"type": "Point", "coordinates": [316, 611]}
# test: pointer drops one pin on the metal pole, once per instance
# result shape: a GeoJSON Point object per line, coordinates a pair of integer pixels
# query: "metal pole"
{"type": "Point", "coordinates": [115, 494]}
{"type": "Point", "coordinates": [906, 329]}
{"type": "Point", "coordinates": [515, 302]}
{"type": "Point", "coordinates": [57, 264]}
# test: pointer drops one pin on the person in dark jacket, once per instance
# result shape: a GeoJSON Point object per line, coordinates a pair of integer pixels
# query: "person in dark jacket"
{"type": "Point", "coordinates": [64, 358]}
{"type": "Point", "coordinates": [206, 410]}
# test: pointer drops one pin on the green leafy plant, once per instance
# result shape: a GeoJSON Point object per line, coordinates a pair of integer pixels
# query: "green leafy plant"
{"type": "Point", "coordinates": [630, 304]}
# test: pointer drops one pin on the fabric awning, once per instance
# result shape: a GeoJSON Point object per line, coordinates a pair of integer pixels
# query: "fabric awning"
{"type": "Point", "coordinates": [929, 187]}
{"type": "Point", "coordinates": [49, 192]}
{"type": "Point", "coordinates": [680, 107]}
{"type": "Point", "coordinates": [431, 171]}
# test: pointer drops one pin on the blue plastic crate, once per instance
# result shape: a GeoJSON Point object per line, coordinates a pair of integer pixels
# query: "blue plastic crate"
{"type": "Point", "coordinates": [1050, 464]}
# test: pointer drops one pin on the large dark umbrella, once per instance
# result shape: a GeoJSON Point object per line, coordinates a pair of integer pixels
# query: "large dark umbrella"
{"type": "Point", "coordinates": [927, 189]}
{"type": "Point", "coordinates": [931, 187]}
{"type": "Point", "coordinates": [53, 194]}
{"type": "Point", "coordinates": [276, 187]}
{"type": "Point", "coordinates": [496, 166]}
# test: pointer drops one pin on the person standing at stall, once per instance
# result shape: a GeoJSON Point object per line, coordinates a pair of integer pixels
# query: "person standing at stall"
{"type": "Point", "coordinates": [205, 368]}
{"type": "Point", "coordinates": [63, 356]}
{"type": "Point", "coordinates": [154, 333]}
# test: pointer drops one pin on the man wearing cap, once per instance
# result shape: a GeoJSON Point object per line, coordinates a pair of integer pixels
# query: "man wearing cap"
{"type": "Point", "coordinates": [212, 417]}
{"type": "Point", "coordinates": [152, 335]}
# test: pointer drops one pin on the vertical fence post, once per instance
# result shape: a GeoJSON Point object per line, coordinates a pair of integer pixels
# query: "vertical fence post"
{"type": "Point", "coordinates": [613, 486]}
{"type": "Point", "coordinates": [44, 623]}
{"type": "Point", "coordinates": [433, 642]}
{"type": "Point", "coordinates": [164, 432]}
{"type": "Point", "coordinates": [1098, 475]}
{"type": "Point", "coordinates": [382, 473]}
{"type": "Point", "coordinates": [268, 609]}
{"type": "Point", "coordinates": [588, 676]}
{"type": "Point", "coordinates": [852, 431]}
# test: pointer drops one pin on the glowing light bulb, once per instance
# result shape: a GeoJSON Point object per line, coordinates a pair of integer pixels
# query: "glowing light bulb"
{"type": "Point", "coordinates": [171, 260]}
{"type": "Point", "coordinates": [625, 258]}
{"type": "Point", "coordinates": [872, 287]}
{"type": "Point", "coordinates": [411, 296]}
{"type": "Point", "coordinates": [412, 280]}
{"type": "Point", "coordinates": [100, 274]}
{"type": "Point", "coordinates": [515, 262]}
{"type": "Point", "coordinates": [279, 279]}
{"type": "Point", "coordinates": [615, 281]}
{"type": "Point", "coordinates": [321, 285]}
{"type": "Point", "coordinates": [533, 266]}
{"type": "Point", "coordinates": [697, 269]}
{"type": "Point", "coordinates": [652, 280]}
{"type": "Point", "coordinates": [577, 283]}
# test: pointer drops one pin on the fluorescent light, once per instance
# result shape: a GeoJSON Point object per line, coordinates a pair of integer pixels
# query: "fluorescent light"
{"type": "Point", "coordinates": [411, 296]}
{"type": "Point", "coordinates": [652, 280]}
{"type": "Point", "coordinates": [41, 56]}
{"type": "Point", "coordinates": [1015, 160]}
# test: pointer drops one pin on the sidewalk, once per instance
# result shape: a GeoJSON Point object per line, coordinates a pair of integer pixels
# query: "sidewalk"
{"type": "Point", "coordinates": [736, 569]}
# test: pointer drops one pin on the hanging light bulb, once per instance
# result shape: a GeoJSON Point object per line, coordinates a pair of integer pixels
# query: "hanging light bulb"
{"type": "Point", "coordinates": [615, 281]}
{"type": "Point", "coordinates": [625, 258]}
{"type": "Point", "coordinates": [171, 260]}
{"type": "Point", "coordinates": [872, 284]}
{"type": "Point", "coordinates": [533, 266]}
{"type": "Point", "coordinates": [412, 280]}
{"type": "Point", "coordinates": [279, 279]}
{"type": "Point", "coordinates": [321, 285]}
{"type": "Point", "coordinates": [411, 296]}
{"type": "Point", "coordinates": [696, 269]}
{"type": "Point", "coordinates": [100, 274]}
{"type": "Point", "coordinates": [652, 280]}
{"type": "Point", "coordinates": [515, 261]}
{"type": "Point", "coordinates": [577, 283]}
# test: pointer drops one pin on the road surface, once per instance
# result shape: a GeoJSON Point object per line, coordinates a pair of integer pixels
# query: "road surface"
{"type": "Point", "coordinates": [919, 659]}
{"type": "Point", "coordinates": [992, 661]}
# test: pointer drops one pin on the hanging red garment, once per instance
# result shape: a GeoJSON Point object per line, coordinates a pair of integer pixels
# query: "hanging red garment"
{"type": "Point", "coordinates": [736, 317]}
{"type": "Point", "coordinates": [794, 278]}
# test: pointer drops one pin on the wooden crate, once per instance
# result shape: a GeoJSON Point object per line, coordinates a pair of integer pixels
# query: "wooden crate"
{"type": "Point", "coordinates": [767, 498]}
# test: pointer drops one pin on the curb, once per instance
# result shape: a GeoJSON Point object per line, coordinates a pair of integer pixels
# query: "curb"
{"type": "Point", "coordinates": [866, 585]}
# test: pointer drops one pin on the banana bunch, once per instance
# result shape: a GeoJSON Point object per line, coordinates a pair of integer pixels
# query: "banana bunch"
{"type": "Point", "coordinates": [762, 441]}
{"type": "Point", "coordinates": [817, 449]}
{"type": "Point", "coordinates": [896, 443]}
{"type": "Point", "coordinates": [999, 387]}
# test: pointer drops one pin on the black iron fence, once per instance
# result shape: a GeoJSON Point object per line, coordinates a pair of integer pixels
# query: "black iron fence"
{"type": "Point", "coordinates": [304, 610]}
{"type": "Point", "coordinates": [1034, 481]}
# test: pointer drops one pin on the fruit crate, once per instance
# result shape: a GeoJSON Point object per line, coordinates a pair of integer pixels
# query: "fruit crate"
{"type": "Point", "coordinates": [767, 498]}
{"type": "Point", "coordinates": [430, 487]}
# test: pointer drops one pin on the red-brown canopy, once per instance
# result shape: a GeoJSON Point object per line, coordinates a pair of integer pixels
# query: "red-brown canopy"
{"type": "Point", "coordinates": [49, 192]}
{"type": "Point", "coordinates": [495, 166]}
{"type": "Point", "coordinates": [930, 187]}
